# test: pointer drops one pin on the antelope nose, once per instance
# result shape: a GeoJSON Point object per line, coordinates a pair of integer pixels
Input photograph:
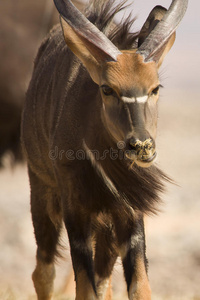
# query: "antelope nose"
{"type": "Point", "coordinates": [143, 151]}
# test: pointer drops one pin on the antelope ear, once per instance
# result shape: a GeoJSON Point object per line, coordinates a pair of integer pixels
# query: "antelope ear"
{"type": "Point", "coordinates": [87, 42]}
{"type": "Point", "coordinates": [79, 48]}
{"type": "Point", "coordinates": [153, 19]}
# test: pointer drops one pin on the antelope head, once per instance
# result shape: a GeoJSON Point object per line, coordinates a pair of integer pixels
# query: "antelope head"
{"type": "Point", "coordinates": [128, 80]}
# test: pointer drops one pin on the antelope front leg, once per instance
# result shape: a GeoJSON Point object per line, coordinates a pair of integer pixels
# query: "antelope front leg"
{"type": "Point", "coordinates": [132, 246]}
{"type": "Point", "coordinates": [105, 257]}
{"type": "Point", "coordinates": [139, 288]}
{"type": "Point", "coordinates": [78, 228]}
{"type": "Point", "coordinates": [47, 236]}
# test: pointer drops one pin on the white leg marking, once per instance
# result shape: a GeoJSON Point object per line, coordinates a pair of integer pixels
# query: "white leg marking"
{"type": "Point", "coordinates": [102, 286]}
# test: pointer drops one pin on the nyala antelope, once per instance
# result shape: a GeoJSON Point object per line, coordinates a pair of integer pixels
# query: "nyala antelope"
{"type": "Point", "coordinates": [88, 131]}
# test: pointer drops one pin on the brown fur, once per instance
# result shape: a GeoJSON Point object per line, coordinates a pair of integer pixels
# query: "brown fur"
{"type": "Point", "coordinates": [84, 289]}
{"type": "Point", "coordinates": [140, 288]}
{"type": "Point", "coordinates": [131, 79]}
{"type": "Point", "coordinates": [75, 104]}
{"type": "Point", "coordinates": [43, 277]}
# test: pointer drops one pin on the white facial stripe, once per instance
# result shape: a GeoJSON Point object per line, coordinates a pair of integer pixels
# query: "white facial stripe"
{"type": "Point", "coordinates": [128, 100]}
{"type": "Point", "coordinates": [137, 99]}
{"type": "Point", "coordinates": [142, 99]}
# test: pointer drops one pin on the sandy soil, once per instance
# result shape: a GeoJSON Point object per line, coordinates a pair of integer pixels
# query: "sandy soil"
{"type": "Point", "coordinates": [173, 237]}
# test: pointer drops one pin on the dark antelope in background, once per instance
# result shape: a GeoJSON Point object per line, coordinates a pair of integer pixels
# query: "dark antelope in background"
{"type": "Point", "coordinates": [23, 25]}
{"type": "Point", "coordinates": [88, 131]}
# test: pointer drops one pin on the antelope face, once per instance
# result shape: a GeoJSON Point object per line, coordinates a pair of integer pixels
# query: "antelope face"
{"type": "Point", "coordinates": [128, 79]}
{"type": "Point", "coordinates": [130, 90]}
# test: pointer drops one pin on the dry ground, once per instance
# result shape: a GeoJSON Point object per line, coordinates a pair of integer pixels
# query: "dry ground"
{"type": "Point", "coordinates": [173, 237]}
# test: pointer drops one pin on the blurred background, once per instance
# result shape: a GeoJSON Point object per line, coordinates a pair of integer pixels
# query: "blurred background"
{"type": "Point", "coordinates": [173, 237]}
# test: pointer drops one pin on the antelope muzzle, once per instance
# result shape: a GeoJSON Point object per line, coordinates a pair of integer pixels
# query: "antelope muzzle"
{"type": "Point", "coordinates": [142, 153]}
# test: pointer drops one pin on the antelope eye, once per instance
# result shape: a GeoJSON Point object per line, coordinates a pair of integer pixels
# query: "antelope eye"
{"type": "Point", "coordinates": [155, 91]}
{"type": "Point", "coordinates": [108, 91]}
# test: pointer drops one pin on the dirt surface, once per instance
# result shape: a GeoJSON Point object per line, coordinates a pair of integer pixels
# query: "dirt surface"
{"type": "Point", "coordinates": [173, 242]}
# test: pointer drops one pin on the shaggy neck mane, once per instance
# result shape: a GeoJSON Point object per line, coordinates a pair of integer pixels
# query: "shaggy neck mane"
{"type": "Point", "coordinates": [138, 187]}
{"type": "Point", "coordinates": [131, 185]}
